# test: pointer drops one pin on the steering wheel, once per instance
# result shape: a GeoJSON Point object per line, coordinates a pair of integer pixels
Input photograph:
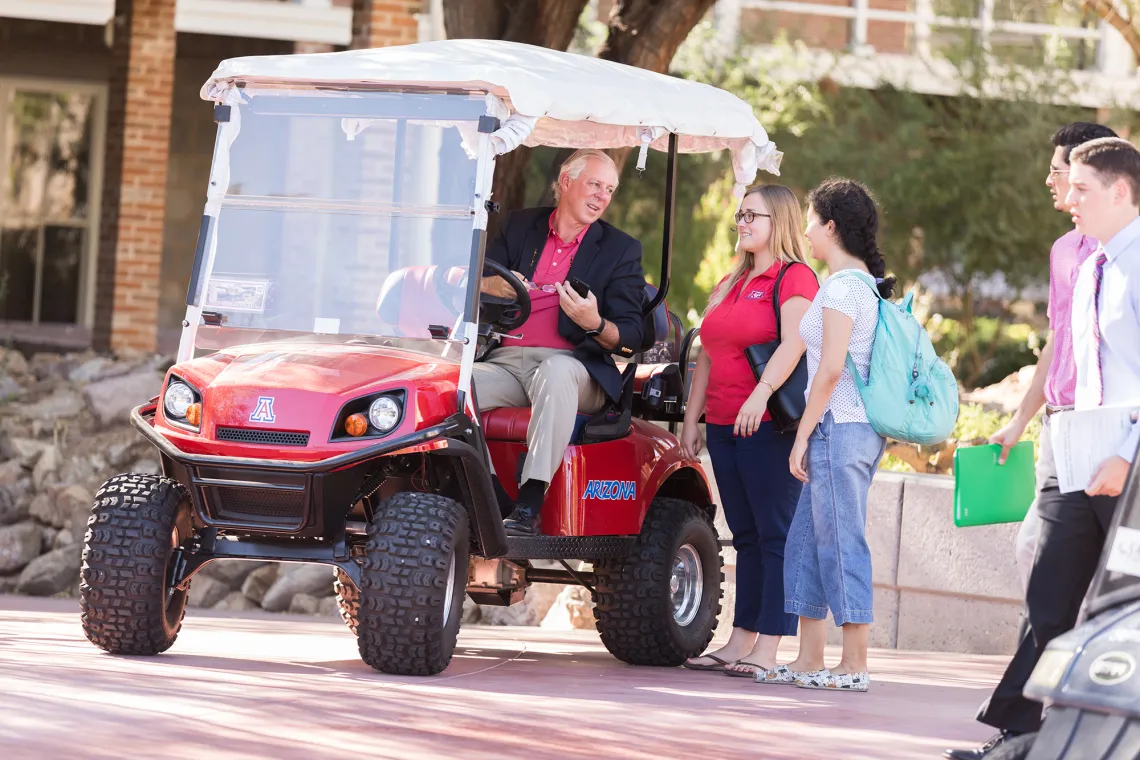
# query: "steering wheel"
{"type": "Point", "coordinates": [503, 313]}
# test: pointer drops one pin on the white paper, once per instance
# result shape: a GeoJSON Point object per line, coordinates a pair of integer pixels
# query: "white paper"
{"type": "Point", "coordinates": [1085, 438]}
{"type": "Point", "coordinates": [1124, 557]}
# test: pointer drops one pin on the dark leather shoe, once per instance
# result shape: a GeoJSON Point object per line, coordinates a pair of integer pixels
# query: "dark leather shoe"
{"type": "Point", "coordinates": [983, 751]}
{"type": "Point", "coordinates": [523, 521]}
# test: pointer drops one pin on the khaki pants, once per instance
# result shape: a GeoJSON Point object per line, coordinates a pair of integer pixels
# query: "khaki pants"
{"type": "Point", "coordinates": [554, 384]}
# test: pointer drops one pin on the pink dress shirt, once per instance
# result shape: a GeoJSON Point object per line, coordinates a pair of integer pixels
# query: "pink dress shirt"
{"type": "Point", "coordinates": [541, 328]}
{"type": "Point", "coordinates": [1069, 252]}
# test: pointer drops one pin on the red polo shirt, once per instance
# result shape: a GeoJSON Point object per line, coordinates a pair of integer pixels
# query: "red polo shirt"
{"type": "Point", "coordinates": [745, 317]}
{"type": "Point", "coordinates": [541, 329]}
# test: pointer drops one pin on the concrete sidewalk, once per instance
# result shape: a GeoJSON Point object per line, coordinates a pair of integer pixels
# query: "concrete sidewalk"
{"type": "Point", "coordinates": [289, 687]}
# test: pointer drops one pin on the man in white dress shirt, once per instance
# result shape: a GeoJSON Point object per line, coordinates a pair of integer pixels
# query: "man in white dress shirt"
{"type": "Point", "coordinates": [1104, 193]}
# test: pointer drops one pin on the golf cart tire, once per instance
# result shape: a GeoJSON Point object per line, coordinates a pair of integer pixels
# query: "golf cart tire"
{"type": "Point", "coordinates": [123, 581]}
{"type": "Point", "coordinates": [347, 599]}
{"type": "Point", "coordinates": [403, 627]}
{"type": "Point", "coordinates": [634, 609]}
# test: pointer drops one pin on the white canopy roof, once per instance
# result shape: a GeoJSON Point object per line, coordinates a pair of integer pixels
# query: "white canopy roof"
{"type": "Point", "coordinates": [555, 98]}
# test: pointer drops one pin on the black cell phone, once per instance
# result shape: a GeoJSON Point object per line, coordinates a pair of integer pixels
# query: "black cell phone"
{"type": "Point", "coordinates": [580, 287]}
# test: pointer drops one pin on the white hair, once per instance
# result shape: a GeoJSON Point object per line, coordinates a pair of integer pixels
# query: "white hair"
{"type": "Point", "coordinates": [573, 166]}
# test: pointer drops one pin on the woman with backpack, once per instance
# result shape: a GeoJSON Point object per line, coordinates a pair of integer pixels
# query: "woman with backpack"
{"type": "Point", "coordinates": [836, 451]}
{"type": "Point", "coordinates": [749, 457]}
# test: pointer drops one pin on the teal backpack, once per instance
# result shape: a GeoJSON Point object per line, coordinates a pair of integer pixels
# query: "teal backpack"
{"type": "Point", "coordinates": [910, 394]}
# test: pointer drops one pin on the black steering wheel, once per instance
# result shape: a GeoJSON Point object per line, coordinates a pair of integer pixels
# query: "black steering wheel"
{"type": "Point", "coordinates": [504, 314]}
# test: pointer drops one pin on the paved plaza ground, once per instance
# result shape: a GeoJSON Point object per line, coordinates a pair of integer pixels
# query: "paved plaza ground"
{"type": "Point", "coordinates": [290, 687]}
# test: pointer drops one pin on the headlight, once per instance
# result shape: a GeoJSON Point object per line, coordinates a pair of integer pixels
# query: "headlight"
{"type": "Point", "coordinates": [178, 399]}
{"type": "Point", "coordinates": [384, 413]}
{"type": "Point", "coordinates": [1051, 668]}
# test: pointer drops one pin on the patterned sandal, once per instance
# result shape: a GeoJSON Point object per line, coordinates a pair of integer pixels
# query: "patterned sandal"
{"type": "Point", "coordinates": [779, 675]}
{"type": "Point", "coordinates": [824, 679]}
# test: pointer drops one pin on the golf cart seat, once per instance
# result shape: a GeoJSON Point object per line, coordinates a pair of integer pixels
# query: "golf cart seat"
{"type": "Point", "coordinates": [409, 297]}
{"type": "Point", "coordinates": [657, 379]}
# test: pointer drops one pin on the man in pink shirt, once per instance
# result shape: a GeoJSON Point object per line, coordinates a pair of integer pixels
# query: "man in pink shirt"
{"type": "Point", "coordinates": [561, 363]}
{"type": "Point", "coordinates": [1055, 380]}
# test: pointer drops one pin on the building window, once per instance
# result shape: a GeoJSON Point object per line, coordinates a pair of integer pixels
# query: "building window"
{"type": "Point", "coordinates": [48, 214]}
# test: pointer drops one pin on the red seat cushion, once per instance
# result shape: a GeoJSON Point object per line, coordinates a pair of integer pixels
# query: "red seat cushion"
{"type": "Point", "coordinates": [507, 423]}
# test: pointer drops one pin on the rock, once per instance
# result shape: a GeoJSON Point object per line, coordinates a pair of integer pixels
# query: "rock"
{"type": "Point", "coordinates": [572, 609]}
{"type": "Point", "coordinates": [120, 447]}
{"type": "Point", "coordinates": [304, 604]}
{"type": "Point", "coordinates": [1003, 396]}
{"type": "Point", "coordinates": [147, 466]}
{"type": "Point", "coordinates": [8, 583]}
{"type": "Point", "coordinates": [231, 572]}
{"type": "Point", "coordinates": [11, 472]}
{"type": "Point", "coordinates": [206, 591]}
{"type": "Point", "coordinates": [13, 362]}
{"type": "Point", "coordinates": [56, 507]}
{"type": "Point", "coordinates": [315, 580]}
{"type": "Point", "coordinates": [46, 466]}
{"type": "Point", "coordinates": [258, 582]}
{"type": "Point", "coordinates": [51, 573]}
{"type": "Point", "coordinates": [46, 365]}
{"type": "Point", "coordinates": [60, 405]}
{"type": "Point", "coordinates": [111, 400]}
{"type": "Point", "coordinates": [471, 612]}
{"type": "Point", "coordinates": [26, 450]}
{"type": "Point", "coordinates": [47, 539]}
{"type": "Point", "coordinates": [19, 544]}
{"type": "Point", "coordinates": [77, 527]}
{"type": "Point", "coordinates": [328, 607]}
{"type": "Point", "coordinates": [235, 601]}
{"type": "Point", "coordinates": [92, 369]}
{"type": "Point", "coordinates": [14, 504]}
{"type": "Point", "coordinates": [64, 538]}
{"type": "Point", "coordinates": [9, 388]}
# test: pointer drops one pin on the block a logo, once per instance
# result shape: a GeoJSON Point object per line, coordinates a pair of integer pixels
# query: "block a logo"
{"type": "Point", "coordinates": [611, 490]}
{"type": "Point", "coordinates": [264, 410]}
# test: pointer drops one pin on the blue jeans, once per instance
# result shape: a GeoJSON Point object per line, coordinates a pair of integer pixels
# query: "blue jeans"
{"type": "Point", "coordinates": [758, 495]}
{"type": "Point", "coordinates": [828, 563]}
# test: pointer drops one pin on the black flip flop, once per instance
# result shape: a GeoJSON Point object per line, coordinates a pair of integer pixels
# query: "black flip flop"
{"type": "Point", "coordinates": [719, 663]}
{"type": "Point", "coordinates": [744, 674]}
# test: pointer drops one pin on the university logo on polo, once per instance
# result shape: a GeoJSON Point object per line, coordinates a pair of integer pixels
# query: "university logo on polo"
{"type": "Point", "coordinates": [755, 295]}
{"type": "Point", "coordinates": [611, 490]}
{"type": "Point", "coordinates": [263, 412]}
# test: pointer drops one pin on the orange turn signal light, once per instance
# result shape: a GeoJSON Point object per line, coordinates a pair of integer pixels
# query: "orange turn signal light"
{"type": "Point", "coordinates": [356, 425]}
{"type": "Point", "coordinates": [194, 414]}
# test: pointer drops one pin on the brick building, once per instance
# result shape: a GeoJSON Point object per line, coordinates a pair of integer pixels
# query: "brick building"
{"type": "Point", "coordinates": [105, 148]}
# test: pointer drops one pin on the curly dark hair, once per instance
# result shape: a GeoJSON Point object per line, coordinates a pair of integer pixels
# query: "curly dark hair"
{"type": "Point", "coordinates": [850, 205]}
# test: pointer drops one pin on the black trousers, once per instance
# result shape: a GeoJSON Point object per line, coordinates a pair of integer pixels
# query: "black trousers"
{"type": "Point", "coordinates": [1073, 529]}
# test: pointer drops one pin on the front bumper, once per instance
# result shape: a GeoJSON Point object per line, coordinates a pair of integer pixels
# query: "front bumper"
{"type": "Point", "coordinates": [312, 499]}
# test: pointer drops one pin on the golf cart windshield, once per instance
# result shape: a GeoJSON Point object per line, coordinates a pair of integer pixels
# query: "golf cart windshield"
{"type": "Point", "coordinates": [336, 212]}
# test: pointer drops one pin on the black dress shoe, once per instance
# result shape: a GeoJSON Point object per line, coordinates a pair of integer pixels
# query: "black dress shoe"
{"type": "Point", "coordinates": [983, 751]}
{"type": "Point", "coordinates": [523, 521]}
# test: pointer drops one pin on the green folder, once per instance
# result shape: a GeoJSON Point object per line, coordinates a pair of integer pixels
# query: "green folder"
{"type": "Point", "coordinates": [986, 492]}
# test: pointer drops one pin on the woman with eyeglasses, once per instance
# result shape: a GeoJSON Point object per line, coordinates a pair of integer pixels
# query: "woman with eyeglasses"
{"type": "Point", "coordinates": [749, 458]}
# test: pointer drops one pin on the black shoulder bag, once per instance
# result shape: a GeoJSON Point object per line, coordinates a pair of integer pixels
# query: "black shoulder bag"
{"type": "Point", "coordinates": [786, 405]}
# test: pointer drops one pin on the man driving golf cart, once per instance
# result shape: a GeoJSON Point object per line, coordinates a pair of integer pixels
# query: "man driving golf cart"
{"type": "Point", "coordinates": [560, 362]}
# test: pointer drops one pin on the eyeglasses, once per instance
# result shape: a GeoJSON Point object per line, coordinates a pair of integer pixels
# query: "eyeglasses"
{"type": "Point", "coordinates": [1057, 172]}
{"type": "Point", "coordinates": [748, 217]}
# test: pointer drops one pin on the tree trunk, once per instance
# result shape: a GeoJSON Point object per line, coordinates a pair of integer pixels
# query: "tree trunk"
{"type": "Point", "coordinates": [647, 33]}
{"type": "Point", "coordinates": [1107, 10]}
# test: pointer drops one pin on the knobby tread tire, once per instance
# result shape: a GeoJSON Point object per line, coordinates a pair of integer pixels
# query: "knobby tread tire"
{"type": "Point", "coordinates": [347, 599]}
{"type": "Point", "coordinates": [122, 590]}
{"type": "Point", "coordinates": [634, 610]}
{"type": "Point", "coordinates": [403, 627]}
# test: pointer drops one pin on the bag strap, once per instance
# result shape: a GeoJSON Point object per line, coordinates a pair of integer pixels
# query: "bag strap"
{"type": "Point", "coordinates": [869, 281]}
{"type": "Point", "coordinates": [776, 296]}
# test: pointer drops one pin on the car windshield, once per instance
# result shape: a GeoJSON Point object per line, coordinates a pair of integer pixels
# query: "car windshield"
{"type": "Point", "coordinates": [346, 214]}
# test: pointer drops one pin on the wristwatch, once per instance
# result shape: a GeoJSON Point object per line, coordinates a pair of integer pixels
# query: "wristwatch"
{"type": "Point", "coordinates": [598, 331]}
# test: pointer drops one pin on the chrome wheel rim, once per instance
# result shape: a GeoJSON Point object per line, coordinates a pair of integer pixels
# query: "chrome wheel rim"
{"type": "Point", "coordinates": [686, 584]}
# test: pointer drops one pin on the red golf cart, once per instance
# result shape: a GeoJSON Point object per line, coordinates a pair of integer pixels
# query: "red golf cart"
{"type": "Point", "coordinates": [321, 409]}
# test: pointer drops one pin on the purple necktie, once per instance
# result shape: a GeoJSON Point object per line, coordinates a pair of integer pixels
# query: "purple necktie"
{"type": "Point", "coordinates": [1098, 277]}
